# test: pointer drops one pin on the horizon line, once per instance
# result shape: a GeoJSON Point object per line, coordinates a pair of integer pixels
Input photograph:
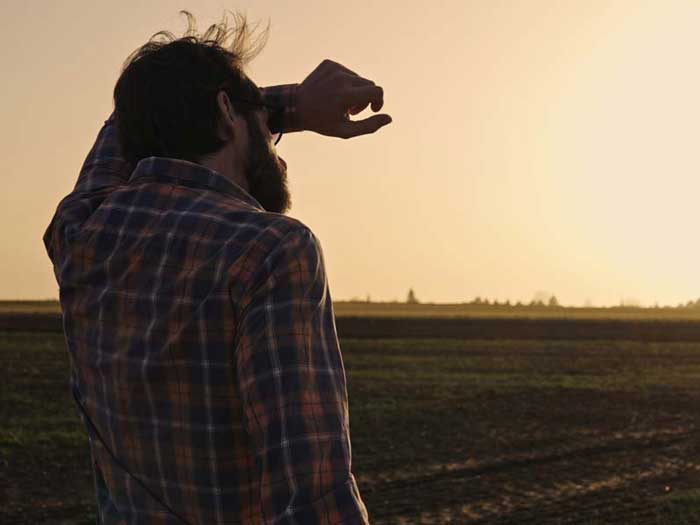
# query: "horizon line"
{"type": "Point", "coordinates": [490, 304]}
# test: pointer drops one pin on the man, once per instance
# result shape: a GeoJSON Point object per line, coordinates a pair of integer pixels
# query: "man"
{"type": "Point", "coordinates": [198, 318]}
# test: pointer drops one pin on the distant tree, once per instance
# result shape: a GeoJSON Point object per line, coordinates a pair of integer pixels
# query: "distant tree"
{"type": "Point", "coordinates": [477, 300]}
{"type": "Point", "coordinates": [507, 303]}
{"type": "Point", "coordinates": [411, 299]}
{"type": "Point", "coordinates": [630, 302]}
{"type": "Point", "coordinates": [518, 303]}
{"type": "Point", "coordinates": [369, 299]}
{"type": "Point", "coordinates": [553, 301]}
{"type": "Point", "coordinates": [541, 297]}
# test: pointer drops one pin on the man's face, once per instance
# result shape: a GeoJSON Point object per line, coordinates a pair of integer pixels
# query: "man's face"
{"type": "Point", "coordinates": [265, 171]}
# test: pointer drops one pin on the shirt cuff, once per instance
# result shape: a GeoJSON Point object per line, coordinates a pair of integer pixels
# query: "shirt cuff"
{"type": "Point", "coordinates": [285, 98]}
{"type": "Point", "coordinates": [292, 122]}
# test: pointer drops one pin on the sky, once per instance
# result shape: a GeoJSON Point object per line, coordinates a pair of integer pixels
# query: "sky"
{"type": "Point", "coordinates": [535, 145]}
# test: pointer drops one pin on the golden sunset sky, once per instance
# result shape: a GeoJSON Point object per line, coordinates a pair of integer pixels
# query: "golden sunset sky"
{"type": "Point", "coordinates": [536, 145]}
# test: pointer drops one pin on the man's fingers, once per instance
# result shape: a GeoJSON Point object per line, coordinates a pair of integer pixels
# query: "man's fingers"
{"type": "Point", "coordinates": [355, 128]}
{"type": "Point", "coordinates": [354, 110]}
{"type": "Point", "coordinates": [363, 95]}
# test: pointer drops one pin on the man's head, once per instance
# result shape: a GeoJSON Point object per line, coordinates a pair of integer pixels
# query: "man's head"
{"type": "Point", "coordinates": [189, 98]}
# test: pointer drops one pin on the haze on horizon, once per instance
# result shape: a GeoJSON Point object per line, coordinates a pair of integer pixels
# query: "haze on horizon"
{"type": "Point", "coordinates": [535, 145]}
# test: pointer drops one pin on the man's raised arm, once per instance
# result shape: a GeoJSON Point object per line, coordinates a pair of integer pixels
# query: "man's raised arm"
{"type": "Point", "coordinates": [104, 166]}
{"type": "Point", "coordinates": [322, 103]}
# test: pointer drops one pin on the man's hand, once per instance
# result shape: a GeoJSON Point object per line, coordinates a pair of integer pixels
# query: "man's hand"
{"type": "Point", "coordinates": [330, 94]}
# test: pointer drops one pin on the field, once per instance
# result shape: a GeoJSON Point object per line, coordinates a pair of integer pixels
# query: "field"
{"type": "Point", "coordinates": [444, 430]}
{"type": "Point", "coordinates": [364, 310]}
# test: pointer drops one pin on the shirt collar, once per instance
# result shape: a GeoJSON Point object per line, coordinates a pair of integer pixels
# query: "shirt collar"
{"type": "Point", "coordinates": [186, 173]}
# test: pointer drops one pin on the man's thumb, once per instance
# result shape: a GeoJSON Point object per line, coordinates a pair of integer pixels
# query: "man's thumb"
{"type": "Point", "coordinates": [355, 128]}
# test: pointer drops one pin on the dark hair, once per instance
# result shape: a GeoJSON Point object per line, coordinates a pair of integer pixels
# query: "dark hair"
{"type": "Point", "coordinates": [165, 98]}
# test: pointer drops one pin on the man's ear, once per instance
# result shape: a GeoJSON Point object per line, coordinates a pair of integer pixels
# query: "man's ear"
{"type": "Point", "coordinates": [226, 116]}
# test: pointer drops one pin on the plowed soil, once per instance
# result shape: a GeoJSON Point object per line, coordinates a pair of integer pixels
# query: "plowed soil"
{"type": "Point", "coordinates": [443, 431]}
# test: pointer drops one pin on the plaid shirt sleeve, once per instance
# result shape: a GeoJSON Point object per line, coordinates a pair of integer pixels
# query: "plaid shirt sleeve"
{"type": "Point", "coordinates": [292, 384]}
{"type": "Point", "coordinates": [284, 97]}
{"type": "Point", "coordinates": [105, 165]}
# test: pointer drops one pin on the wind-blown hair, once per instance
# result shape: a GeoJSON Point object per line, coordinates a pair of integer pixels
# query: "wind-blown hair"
{"type": "Point", "coordinates": [165, 98]}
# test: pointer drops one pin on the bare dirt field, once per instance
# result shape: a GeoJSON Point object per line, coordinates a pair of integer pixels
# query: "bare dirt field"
{"type": "Point", "coordinates": [443, 430]}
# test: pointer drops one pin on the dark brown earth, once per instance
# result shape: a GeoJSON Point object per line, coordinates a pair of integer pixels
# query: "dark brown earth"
{"type": "Point", "coordinates": [522, 328]}
{"type": "Point", "coordinates": [443, 431]}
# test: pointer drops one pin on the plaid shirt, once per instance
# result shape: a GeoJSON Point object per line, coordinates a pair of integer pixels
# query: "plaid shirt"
{"type": "Point", "coordinates": [203, 346]}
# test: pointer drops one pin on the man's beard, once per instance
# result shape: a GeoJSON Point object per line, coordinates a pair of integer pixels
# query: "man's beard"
{"type": "Point", "coordinates": [266, 173]}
